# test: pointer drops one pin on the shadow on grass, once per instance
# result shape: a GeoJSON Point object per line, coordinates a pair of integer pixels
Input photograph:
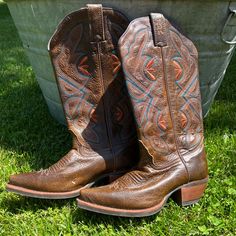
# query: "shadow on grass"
{"type": "Point", "coordinates": [26, 126]}
{"type": "Point", "coordinates": [93, 218]}
{"type": "Point", "coordinates": [16, 204]}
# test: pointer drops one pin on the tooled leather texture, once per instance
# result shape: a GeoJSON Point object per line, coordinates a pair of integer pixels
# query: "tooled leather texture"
{"type": "Point", "coordinates": [95, 100]}
{"type": "Point", "coordinates": [161, 72]}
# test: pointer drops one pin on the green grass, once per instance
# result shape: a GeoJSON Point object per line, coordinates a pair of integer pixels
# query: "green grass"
{"type": "Point", "coordinates": [30, 139]}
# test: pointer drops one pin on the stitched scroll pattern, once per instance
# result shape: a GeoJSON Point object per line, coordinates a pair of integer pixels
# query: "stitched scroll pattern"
{"type": "Point", "coordinates": [150, 83]}
{"type": "Point", "coordinates": [83, 91]}
{"type": "Point", "coordinates": [143, 69]}
{"type": "Point", "coordinates": [183, 61]}
{"type": "Point", "coordinates": [121, 115]}
{"type": "Point", "coordinates": [73, 69]}
{"type": "Point", "coordinates": [183, 73]}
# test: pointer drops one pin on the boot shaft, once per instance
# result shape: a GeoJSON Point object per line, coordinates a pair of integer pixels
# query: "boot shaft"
{"type": "Point", "coordinates": [91, 83]}
{"type": "Point", "coordinates": [161, 69]}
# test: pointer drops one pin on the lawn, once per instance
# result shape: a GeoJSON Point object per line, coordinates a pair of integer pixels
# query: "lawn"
{"type": "Point", "coordinates": [30, 139]}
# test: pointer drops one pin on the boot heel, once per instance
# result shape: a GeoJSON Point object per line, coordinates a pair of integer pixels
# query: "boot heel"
{"type": "Point", "coordinates": [190, 193]}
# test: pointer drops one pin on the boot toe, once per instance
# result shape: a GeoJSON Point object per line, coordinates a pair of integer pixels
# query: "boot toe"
{"type": "Point", "coordinates": [91, 196]}
{"type": "Point", "coordinates": [103, 196]}
{"type": "Point", "coordinates": [25, 180]}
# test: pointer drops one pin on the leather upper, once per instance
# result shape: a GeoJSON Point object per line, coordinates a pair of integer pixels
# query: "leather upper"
{"type": "Point", "coordinates": [97, 107]}
{"type": "Point", "coordinates": [161, 72]}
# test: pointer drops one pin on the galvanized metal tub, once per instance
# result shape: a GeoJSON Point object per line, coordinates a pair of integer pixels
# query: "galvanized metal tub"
{"type": "Point", "coordinates": [211, 24]}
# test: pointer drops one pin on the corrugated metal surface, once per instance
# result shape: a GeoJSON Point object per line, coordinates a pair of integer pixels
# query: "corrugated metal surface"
{"type": "Point", "coordinates": [201, 21]}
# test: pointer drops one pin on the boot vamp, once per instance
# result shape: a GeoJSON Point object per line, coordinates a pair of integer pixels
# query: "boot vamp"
{"type": "Point", "coordinates": [69, 173]}
{"type": "Point", "coordinates": [138, 189]}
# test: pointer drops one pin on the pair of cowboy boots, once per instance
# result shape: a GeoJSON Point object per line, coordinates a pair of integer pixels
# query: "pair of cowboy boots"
{"type": "Point", "coordinates": [131, 98]}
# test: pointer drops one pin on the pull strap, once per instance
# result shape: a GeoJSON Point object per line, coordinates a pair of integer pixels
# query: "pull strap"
{"type": "Point", "coordinates": [159, 28]}
{"type": "Point", "coordinates": [95, 14]}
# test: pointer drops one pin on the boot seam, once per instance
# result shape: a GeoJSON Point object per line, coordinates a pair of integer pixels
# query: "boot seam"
{"type": "Point", "coordinates": [171, 115]}
{"type": "Point", "coordinates": [104, 110]}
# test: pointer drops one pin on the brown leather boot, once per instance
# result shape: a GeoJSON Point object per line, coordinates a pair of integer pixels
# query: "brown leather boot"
{"type": "Point", "coordinates": [96, 103]}
{"type": "Point", "coordinates": [161, 70]}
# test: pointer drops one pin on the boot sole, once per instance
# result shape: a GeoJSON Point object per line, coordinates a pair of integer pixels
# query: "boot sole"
{"type": "Point", "coordinates": [59, 195]}
{"type": "Point", "coordinates": [184, 195]}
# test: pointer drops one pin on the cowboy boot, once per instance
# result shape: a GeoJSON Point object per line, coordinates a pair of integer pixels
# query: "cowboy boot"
{"type": "Point", "coordinates": [96, 106]}
{"type": "Point", "coordinates": [161, 71]}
